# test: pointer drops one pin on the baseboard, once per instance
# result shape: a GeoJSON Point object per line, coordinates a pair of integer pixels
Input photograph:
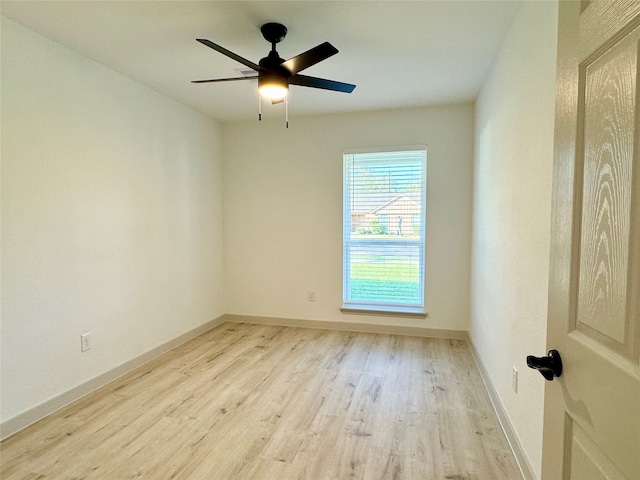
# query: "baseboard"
{"type": "Point", "coordinates": [350, 326]}
{"type": "Point", "coordinates": [24, 419]}
{"type": "Point", "coordinates": [503, 418]}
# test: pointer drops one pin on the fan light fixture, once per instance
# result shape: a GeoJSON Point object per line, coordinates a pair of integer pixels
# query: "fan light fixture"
{"type": "Point", "coordinates": [273, 87]}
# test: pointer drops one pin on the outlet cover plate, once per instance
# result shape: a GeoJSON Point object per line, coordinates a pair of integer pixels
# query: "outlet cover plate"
{"type": "Point", "coordinates": [85, 342]}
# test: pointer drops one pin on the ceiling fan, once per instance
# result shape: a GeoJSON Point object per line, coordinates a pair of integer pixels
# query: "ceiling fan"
{"type": "Point", "coordinates": [276, 74]}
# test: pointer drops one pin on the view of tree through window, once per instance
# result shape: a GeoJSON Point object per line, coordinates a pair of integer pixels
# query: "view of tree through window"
{"type": "Point", "coordinates": [384, 212]}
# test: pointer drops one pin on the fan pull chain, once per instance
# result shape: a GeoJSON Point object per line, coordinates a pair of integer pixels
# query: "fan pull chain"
{"type": "Point", "coordinates": [259, 107]}
{"type": "Point", "coordinates": [286, 111]}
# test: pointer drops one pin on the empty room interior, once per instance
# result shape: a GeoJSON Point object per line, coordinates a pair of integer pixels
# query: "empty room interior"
{"type": "Point", "coordinates": [198, 282]}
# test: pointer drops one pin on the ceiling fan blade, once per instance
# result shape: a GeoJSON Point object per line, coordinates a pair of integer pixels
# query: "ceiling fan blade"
{"type": "Point", "coordinates": [309, 58]}
{"type": "Point", "coordinates": [315, 82]}
{"type": "Point", "coordinates": [230, 54]}
{"type": "Point", "coordinates": [224, 79]}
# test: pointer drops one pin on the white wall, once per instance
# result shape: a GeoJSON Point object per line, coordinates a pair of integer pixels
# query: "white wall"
{"type": "Point", "coordinates": [511, 216]}
{"type": "Point", "coordinates": [111, 219]}
{"type": "Point", "coordinates": [283, 210]}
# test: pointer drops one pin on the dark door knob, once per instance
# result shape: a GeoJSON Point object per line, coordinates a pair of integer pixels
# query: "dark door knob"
{"type": "Point", "coordinates": [549, 366]}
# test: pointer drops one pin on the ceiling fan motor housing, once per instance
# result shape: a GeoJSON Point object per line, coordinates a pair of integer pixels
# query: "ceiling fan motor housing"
{"type": "Point", "coordinates": [272, 62]}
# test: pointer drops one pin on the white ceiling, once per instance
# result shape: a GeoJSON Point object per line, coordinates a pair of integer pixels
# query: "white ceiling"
{"type": "Point", "coordinates": [398, 53]}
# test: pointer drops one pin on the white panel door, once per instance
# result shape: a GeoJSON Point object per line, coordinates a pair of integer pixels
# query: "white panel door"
{"type": "Point", "coordinates": [592, 411]}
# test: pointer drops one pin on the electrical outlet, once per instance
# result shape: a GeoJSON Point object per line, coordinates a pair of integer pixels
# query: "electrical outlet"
{"type": "Point", "coordinates": [311, 295]}
{"type": "Point", "coordinates": [85, 342]}
{"type": "Point", "coordinates": [514, 379]}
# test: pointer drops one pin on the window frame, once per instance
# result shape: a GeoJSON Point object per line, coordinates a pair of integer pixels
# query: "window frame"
{"type": "Point", "coordinates": [380, 307]}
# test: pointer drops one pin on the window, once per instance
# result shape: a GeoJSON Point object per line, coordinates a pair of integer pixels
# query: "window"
{"type": "Point", "coordinates": [384, 229]}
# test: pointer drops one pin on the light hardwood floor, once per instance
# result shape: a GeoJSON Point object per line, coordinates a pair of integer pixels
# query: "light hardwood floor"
{"type": "Point", "coordinates": [264, 402]}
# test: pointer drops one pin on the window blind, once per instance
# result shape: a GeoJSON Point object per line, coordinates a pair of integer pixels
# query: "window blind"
{"type": "Point", "coordinates": [384, 228]}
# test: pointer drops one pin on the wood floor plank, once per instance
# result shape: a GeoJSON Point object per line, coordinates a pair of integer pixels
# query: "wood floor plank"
{"type": "Point", "coordinates": [266, 402]}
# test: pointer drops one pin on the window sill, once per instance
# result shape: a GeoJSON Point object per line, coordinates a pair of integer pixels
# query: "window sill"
{"type": "Point", "coordinates": [384, 311]}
